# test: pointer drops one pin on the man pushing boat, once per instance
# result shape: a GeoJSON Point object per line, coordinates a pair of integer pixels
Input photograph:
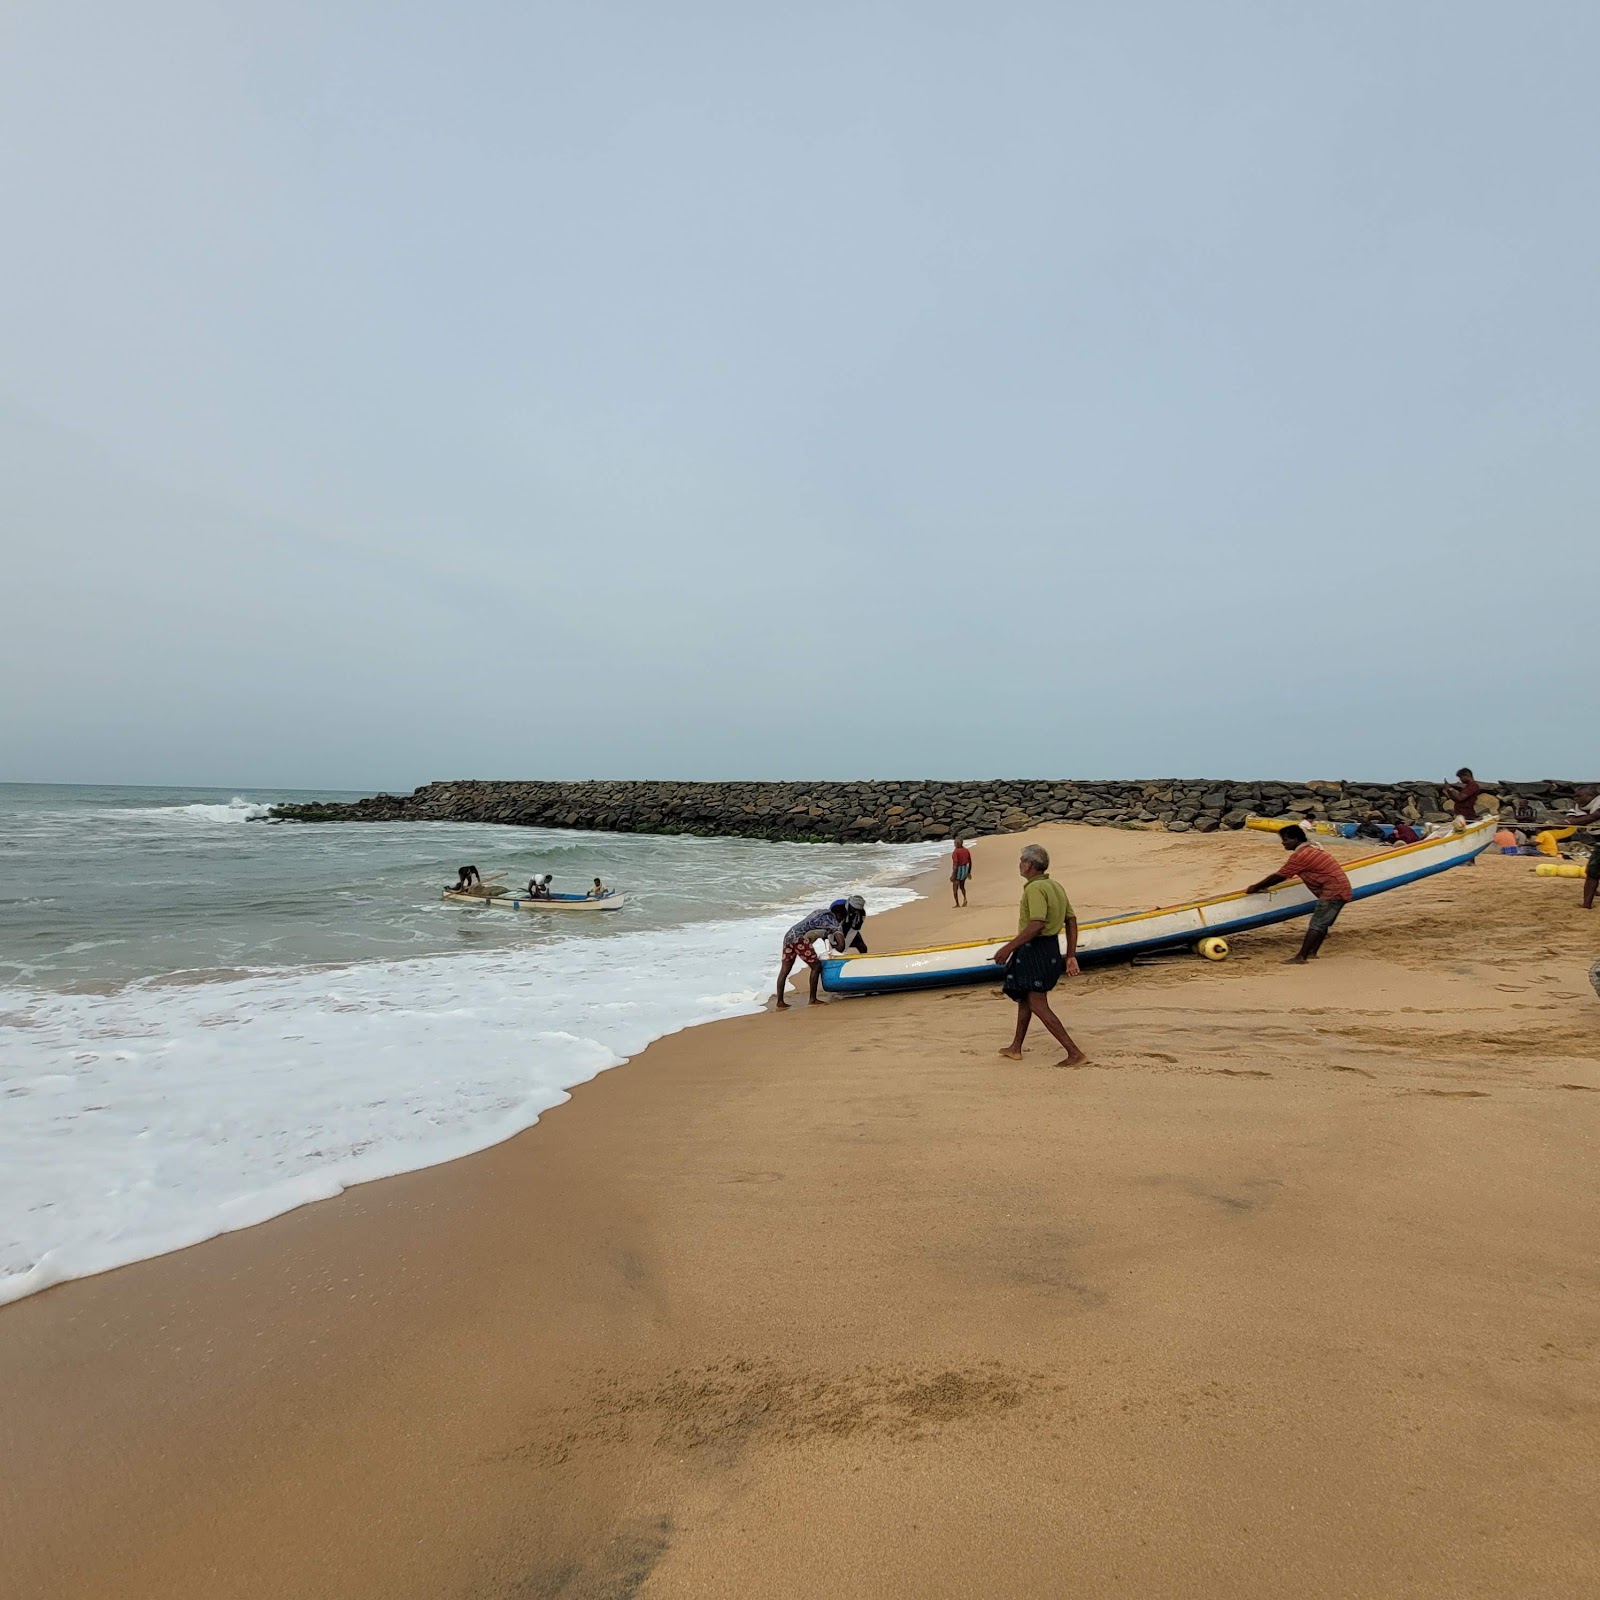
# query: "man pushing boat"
{"type": "Point", "coordinates": [1323, 876]}
{"type": "Point", "coordinates": [840, 924]}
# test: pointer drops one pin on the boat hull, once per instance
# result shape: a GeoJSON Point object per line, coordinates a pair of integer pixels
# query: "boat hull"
{"type": "Point", "coordinates": [1166, 928]}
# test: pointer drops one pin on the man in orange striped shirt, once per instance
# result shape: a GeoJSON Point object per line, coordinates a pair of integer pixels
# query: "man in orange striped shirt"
{"type": "Point", "coordinates": [1322, 875]}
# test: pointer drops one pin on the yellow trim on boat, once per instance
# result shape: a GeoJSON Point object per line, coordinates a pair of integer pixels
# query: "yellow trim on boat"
{"type": "Point", "coordinates": [1394, 853]}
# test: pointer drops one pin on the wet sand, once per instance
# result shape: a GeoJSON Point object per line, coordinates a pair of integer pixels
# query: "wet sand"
{"type": "Point", "coordinates": [1290, 1292]}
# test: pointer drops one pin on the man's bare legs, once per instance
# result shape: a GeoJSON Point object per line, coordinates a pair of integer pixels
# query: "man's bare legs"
{"type": "Point", "coordinates": [1038, 1005]}
{"type": "Point", "coordinates": [1024, 1017]}
{"type": "Point", "coordinates": [783, 982]}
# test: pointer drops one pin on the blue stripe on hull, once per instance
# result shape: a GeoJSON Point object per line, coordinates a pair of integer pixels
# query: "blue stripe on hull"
{"type": "Point", "coordinates": [836, 978]}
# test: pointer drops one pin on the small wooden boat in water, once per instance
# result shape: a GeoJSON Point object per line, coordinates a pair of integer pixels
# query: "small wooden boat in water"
{"type": "Point", "coordinates": [508, 900]}
{"type": "Point", "coordinates": [1165, 928]}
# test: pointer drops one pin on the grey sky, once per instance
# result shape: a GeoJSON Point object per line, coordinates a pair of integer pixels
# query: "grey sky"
{"type": "Point", "coordinates": [396, 391]}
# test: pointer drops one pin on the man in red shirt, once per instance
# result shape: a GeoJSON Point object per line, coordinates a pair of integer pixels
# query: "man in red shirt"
{"type": "Point", "coordinates": [960, 871]}
{"type": "Point", "coordinates": [1322, 875]}
{"type": "Point", "coordinates": [1464, 798]}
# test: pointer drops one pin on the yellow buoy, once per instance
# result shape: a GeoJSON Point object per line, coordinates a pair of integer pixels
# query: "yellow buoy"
{"type": "Point", "coordinates": [1213, 949]}
{"type": "Point", "coordinates": [1558, 869]}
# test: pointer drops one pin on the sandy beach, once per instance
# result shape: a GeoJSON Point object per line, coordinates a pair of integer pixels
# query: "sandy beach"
{"type": "Point", "coordinates": [1291, 1291]}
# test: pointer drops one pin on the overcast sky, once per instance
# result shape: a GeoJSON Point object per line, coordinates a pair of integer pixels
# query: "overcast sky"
{"type": "Point", "coordinates": [392, 391]}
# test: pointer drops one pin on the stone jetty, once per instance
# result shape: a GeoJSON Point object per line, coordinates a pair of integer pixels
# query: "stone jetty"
{"type": "Point", "coordinates": [894, 810]}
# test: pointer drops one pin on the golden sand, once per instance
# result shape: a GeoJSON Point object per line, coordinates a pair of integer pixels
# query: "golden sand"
{"type": "Point", "coordinates": [1291, 1293]}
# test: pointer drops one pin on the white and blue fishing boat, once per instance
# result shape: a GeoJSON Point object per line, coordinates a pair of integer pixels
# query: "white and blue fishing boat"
{"type": "Point", "coordinates": [508, 900]}
{"type": "Point", "coordinates": [1166, 927]}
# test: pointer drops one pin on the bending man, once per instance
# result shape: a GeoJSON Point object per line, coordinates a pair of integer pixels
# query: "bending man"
{"type": "Point", "coordinates": [1323, 876]}
{"type": "Point", "coordinates": [799, 944]}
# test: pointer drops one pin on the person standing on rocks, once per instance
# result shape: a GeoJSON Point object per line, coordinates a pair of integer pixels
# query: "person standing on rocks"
{"type": "Point", "coordinates": [1033, 960]}
{"type": "Point", "coordinates": [960, 872]}
{"type": "Point", "coordinates": [1463, 797]}
{"type": "Point", "coordinates": [1323, 876]}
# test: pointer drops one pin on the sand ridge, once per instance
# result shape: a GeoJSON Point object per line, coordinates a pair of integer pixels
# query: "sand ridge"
{"type": "Point", "coordinates": [1290, 1291]}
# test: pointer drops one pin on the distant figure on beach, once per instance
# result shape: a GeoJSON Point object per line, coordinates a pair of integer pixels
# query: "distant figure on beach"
{"type": "Point", "coordinates": [1323, 876]}
{"type": "Point", "coordinates": [1033, 960]}
{"type": "Point", "coordinates": [799, 944]}
{"type": "Point", "coordinates": [598, 892]}
{"type": "Point", "coordinates": [539, 888]}
{"type": "Point", "coordinates": [960, 872]}
{"type": "Point", "coordinates": [466, 877]}
{"type": "Point", "coordinates": [1463, 797]}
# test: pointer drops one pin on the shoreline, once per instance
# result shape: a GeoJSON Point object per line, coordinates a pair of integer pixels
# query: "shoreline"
{"type": "Point", "coordinates": [252, 1205]}
{"type": "Point", "coordinates": [1287, 1293]}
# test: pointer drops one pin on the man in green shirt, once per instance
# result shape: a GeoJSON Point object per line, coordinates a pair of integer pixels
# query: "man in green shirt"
{"type": "Point", "coordinates": [1033, 960]}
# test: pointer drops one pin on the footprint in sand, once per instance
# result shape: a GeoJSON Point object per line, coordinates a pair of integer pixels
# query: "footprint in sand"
{"type": "Point", "coordinates": [1451, 1094]}
{"type": "Point", "coordinates": [1339, 1066]}
{"type": "Point", "coordinates": [1241, 1072]}
{"type": "Point", "coordinates": [1588, 1088]}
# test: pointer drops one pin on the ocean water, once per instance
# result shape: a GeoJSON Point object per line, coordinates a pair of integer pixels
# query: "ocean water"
{"type": "Point", "coordinates": [207, 1019]}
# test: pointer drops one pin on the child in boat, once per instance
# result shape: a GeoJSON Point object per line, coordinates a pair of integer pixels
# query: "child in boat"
{"type": "Point", "coordinates": [598, 892]}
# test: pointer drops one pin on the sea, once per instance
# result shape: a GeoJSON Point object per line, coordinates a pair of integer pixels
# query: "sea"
{"type": "Point", "coordinates": [208, 1018]}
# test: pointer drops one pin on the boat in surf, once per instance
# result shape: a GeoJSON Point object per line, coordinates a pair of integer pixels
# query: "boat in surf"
{"type": "Point", "coordinates": [511, 900]}
{"type": "Point", "coordinates": [1165, 927]}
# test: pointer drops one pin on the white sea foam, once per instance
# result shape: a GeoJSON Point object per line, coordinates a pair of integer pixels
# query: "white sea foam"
{"type": "Point", "coordinates": [161, 1114]}
{"type": "Point", "coordinates": [238, 809]}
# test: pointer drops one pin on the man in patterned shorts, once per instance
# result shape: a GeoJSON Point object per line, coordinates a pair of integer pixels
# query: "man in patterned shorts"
{"type": "Point", "coordinates": [799, 944]}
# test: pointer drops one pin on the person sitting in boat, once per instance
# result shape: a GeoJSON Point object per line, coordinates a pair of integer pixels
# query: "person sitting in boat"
{"type": "Point", "coordinates": [1322, 875]}
{"type": "Point", "coordinates": [539, 888]}
{"type": "Point", "coordinates": [1403, 833]}
{"type": "Point", "coordinates": [466, 877]}
{"type": "Point", "coordinates": [598, 892]}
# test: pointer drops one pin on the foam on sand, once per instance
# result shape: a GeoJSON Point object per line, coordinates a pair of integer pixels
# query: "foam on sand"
{"type": "Point", "coordinates": [164, 1112]}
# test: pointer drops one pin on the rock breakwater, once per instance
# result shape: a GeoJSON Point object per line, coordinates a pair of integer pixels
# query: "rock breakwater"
{"type": "Point", "coordinates": [897, 811]}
